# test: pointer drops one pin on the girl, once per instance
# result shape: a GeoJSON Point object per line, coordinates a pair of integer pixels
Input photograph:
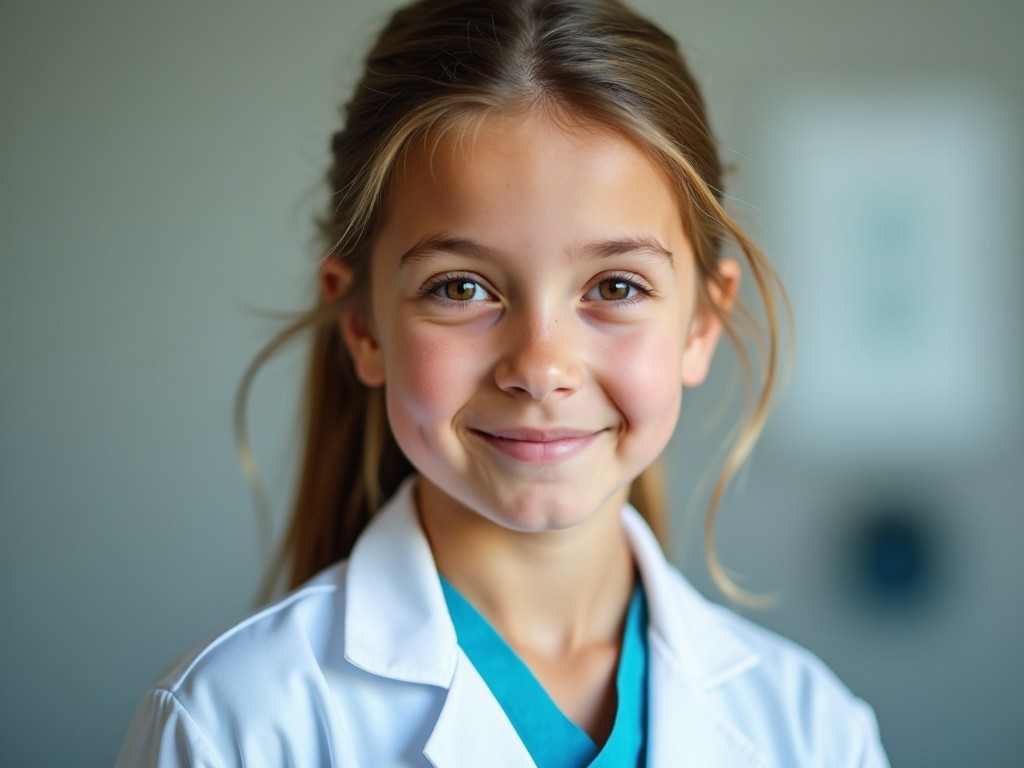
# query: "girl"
{"type": "Point", "coordinates": [523, 270]}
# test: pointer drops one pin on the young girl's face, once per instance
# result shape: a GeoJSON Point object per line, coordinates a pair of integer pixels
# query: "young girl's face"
{"type": "Point", "coordinates": [533, 319]}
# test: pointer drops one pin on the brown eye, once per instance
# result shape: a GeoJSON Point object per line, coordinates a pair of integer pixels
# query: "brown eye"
{"type": "Point", "coordinates": [460, 290]}
{"type": "Point", "coordinates": [614, 290]}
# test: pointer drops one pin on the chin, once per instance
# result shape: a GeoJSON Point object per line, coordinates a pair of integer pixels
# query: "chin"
{"type": "Point", "coordinates": [539, 510]}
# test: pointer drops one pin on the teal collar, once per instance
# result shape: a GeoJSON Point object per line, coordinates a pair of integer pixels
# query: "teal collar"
{"type": "Point", "coordinates": [552, 739]}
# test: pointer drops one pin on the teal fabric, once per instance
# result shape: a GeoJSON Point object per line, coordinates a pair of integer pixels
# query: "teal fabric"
{"type": "Point", "coordinates": [552, 739]}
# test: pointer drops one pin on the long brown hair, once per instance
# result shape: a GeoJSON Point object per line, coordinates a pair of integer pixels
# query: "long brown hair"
{"type": "Point", "coordinates": [436, 65]}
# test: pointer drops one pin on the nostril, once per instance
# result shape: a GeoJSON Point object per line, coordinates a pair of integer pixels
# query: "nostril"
{"type": "Point", "coordinates": [537, 379]}
{"type": "Point", "coordinates": [540, 356]}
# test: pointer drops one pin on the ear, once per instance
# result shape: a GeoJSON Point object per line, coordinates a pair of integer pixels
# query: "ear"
{"type": "Point", "coordinates": [336, 278]}
{"type": "Point", "coordinates": [706, 326]}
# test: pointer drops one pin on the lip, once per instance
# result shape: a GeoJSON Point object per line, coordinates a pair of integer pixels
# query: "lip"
{"type": "Point", "coordinates": [538, 446]}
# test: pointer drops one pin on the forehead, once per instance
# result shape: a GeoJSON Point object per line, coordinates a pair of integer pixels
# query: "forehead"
{"type": "Point", "coordinates": [525, 176]}
{"type": "Point", "coordinates": [537, 134]}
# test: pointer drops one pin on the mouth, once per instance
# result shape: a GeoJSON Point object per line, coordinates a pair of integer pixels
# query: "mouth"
{"type": "Point", "coordinates": [538, 446]}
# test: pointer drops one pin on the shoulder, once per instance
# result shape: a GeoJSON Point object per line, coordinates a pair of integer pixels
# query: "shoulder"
{"type": "Point", "coordinates": [767, 692]}
{"type": "Point", "coordinates": [296, 627]}
{"type": "Point", "coordinates": [786, 700]}
{"type": "Point", "coordinates": [330, 674]}
{"type": "Point", "coordinates": [263, 679]}
{"type": "Point", "coordinates": [790, 675]}
{"type": "Point", "coordinates": [805, 711]}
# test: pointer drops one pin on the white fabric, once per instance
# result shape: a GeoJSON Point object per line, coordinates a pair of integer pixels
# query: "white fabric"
{"type": "Point", "coordinates": [360, 667]}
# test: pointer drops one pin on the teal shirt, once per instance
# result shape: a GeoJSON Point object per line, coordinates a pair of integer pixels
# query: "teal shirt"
{"type": "Point", "coordinates": [552, 739]}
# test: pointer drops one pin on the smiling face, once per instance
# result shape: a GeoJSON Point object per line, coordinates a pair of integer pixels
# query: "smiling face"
{"type": "Point", "coordinates": [533, 319]}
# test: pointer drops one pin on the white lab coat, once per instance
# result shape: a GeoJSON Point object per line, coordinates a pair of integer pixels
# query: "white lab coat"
{"type": "Point", "coordinates": [360, 667]}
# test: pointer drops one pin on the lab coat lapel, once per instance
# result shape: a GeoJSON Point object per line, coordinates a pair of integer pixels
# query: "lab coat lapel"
{"type": "Point", "coordinates": [690, 653]}
{"type": "Point", "coordinates": [472, 729]}
{"type": "Point", "coordinates": [685, 727]}
{"type": "Point", "coordinates": [397, 626]}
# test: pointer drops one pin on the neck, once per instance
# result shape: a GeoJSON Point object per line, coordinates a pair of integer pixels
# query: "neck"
{"type": "Point", "coordinates": [571, 586]}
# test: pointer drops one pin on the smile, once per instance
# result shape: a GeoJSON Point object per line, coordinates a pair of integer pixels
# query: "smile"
{"type": "Point", "coordinates": [538, 446]}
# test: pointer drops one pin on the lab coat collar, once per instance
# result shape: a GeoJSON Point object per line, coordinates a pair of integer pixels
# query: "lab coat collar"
{"type": "Point", "coordinates": [397, 626]}
{"type": "Point", "coordinates": [397, 622]}
{"type": "Point", "coordinates": [690, 653]}
{"type": "Point", "coordinates": [695, 641]}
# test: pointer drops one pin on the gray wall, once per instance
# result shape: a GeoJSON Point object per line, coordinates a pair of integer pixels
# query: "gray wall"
{"type": "Point", "coordinates": [159, 167]}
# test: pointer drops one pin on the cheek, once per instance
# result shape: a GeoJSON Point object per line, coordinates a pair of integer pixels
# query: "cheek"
{"type": "Point", "coordinates": [645, 381]}
{"type": "Point", "coordinates": [432, 372]}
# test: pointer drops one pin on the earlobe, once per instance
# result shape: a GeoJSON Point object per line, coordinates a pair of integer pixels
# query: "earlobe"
{"type": "Point", "coordinates": [706, 327]}
{"type": "Point", "coordinates": [336, 278]}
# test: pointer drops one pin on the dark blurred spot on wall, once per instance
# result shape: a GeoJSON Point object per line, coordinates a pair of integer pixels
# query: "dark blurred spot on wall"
{"type": "Point", "coordinates": [892, 559]}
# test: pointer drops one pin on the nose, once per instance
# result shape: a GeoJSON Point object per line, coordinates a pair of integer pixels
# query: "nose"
{"type": "Point", "coordinates": [542, 358]}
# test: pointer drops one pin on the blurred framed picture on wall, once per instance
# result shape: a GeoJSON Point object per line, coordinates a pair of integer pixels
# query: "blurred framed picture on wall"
{"type": "Point", "coordinates": [891, 212]}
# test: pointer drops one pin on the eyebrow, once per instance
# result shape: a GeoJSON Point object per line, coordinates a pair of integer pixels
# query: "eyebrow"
{"type": "Point", "coordinates": [441, 243]}
{"type": "Point", "coordinates": [637, 244]}
{"type": "Point", "coordinates": [640, 244]}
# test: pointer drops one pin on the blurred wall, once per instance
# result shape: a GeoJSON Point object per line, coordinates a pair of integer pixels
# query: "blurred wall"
{"type": "Point", "coordinates": [158, 172]}
{"type": "Point", "coordinates": [893, 541]}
